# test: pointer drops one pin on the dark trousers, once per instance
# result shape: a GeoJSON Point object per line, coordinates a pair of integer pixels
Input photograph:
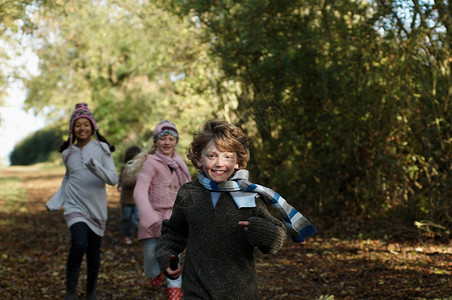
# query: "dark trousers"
{"type": "Point", "coordinates": [83, 240]}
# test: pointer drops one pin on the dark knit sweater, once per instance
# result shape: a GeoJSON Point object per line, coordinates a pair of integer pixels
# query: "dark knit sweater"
{"type": "Point", "coordinates": [219, 258]}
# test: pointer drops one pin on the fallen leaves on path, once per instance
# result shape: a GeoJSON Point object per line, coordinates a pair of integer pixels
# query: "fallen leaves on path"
{"type": "Point", "coordinates": [34, 246]}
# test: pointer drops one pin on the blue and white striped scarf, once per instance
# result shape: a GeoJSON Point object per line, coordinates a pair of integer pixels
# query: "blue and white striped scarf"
{"type": "Point", "coordinates": [244, 193]}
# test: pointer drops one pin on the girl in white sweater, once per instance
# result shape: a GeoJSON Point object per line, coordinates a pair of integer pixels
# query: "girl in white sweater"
{"type": "Point", "coordinates": [89, 166]}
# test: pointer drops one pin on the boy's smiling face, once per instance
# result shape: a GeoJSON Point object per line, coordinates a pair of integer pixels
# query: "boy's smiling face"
{"type": "Point", "coordinates": [217, 165]}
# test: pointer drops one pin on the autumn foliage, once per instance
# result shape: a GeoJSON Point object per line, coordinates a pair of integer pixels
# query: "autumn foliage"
{"type": "Point", "coordinates": [349, 260]}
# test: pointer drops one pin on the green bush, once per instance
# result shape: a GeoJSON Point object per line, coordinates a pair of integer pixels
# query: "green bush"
{"type": "Point", "coordinates": [36, 147]}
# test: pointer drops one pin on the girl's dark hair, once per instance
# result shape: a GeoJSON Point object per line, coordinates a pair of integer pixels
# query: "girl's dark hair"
{"type": "Point", "coordinates": [131, 152]}
{"type": "Point", "coordinates": [102, 139]}
{"type": "Point", "coordinates": [66, 143]}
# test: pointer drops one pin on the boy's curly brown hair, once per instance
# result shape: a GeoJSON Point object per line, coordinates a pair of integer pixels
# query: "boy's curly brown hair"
{"type": "Point", "coordinates": [227, 137]}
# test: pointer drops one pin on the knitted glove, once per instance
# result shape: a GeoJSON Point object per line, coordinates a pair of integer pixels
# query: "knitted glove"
{"type": "Point", "coordinates": [163, 258]}
{"type": "Point", "coordinates": [264, 234]}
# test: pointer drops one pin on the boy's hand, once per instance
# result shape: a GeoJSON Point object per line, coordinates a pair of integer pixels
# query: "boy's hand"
{"type": "Point", "coordinates": [173, 270]}
{"type": "Point", "coordinates": [259, 231]}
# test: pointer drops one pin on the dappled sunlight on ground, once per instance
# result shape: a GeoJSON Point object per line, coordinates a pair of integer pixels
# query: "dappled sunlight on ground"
{"type": "Point", "coordinates": [35, 244]}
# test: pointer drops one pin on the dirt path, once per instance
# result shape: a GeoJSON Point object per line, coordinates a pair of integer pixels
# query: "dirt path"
{"type": "Point", "coordinates": [34, 246]}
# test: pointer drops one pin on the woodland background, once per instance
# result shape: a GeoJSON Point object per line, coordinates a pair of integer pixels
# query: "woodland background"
{"type": "Point", "coordinates": [346, 102]}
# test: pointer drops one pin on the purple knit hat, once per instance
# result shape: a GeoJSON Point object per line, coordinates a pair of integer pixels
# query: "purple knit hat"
{"type": "Point", "coordinates": [81, 111]}
{"type": "Point", "coordinates": [165, 127]}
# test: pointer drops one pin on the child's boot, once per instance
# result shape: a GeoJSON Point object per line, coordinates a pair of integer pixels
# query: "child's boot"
{"type": "Point", "coordinates": [70, 295]}
{"type": "Point", "coordinates": [91, 293]}
{"type": "Point", "coordinates": [156, 280]}
{"type": "Point", "coordinates": [174, 293]}
{"type": "Point", "coordinates": [71, 283]}
{"type": "Point", "coordinates": [91, 282]}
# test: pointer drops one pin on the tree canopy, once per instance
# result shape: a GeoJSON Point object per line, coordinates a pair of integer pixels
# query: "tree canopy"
{"type": "Point", "coordinates": [346, 102]}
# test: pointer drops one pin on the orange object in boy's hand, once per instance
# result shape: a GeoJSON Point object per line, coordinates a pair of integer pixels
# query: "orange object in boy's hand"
{"type": "Point", "coordinates": [173, 269]}
{"type": "Point", "coordinates": [244, 224]}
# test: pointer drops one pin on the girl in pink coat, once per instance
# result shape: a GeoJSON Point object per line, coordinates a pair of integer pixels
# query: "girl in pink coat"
{"type": "Point", "coordinates": [161, 172]}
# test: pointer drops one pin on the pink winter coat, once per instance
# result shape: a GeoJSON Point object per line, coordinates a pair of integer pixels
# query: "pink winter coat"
{"type": "Point", "coordinates": [155, 193]}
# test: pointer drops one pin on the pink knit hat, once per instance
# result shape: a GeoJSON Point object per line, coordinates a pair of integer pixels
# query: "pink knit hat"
{"type": "Point", "coordinates": [165, 127]}
{"type": "Point", "coordinates": [81, 111]}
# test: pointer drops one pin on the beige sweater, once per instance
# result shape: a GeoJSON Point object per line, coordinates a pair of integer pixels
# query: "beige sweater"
{"type": "Point", "coordinates": [127, 184]}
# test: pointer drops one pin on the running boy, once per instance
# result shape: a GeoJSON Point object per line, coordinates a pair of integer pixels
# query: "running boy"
{"type": "Point", "coordinates": [219, 223]}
